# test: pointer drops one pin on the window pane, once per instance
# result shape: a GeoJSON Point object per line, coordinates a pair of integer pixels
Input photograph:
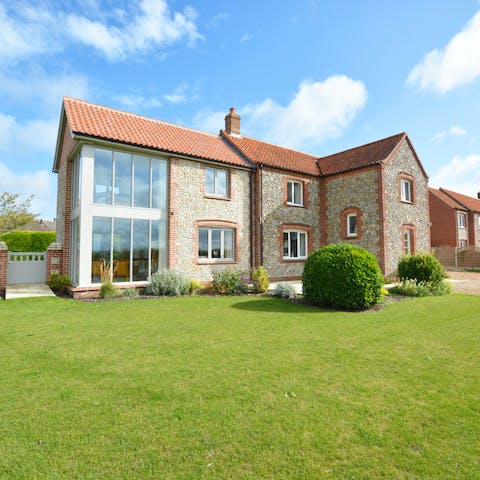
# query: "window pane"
{"type": "Point", "coordinates": [123, 179]}
{"type": "Point", "coordinates": [285, 244]}
{"type": "Point", "coordinates": [141, 181]}
{"type": "Point", "coordinates": [293, 244]}
{"type": "Point", "coordinates": [222, 182]}
{"type": "Point", "coordinates": [210, 181]}
{"type": "Point", "coordinates": [228, 244]}
{"type": "Point", "coordinates": [203, 243]}
{"type": "Point", "coordinates": [303, 244]}
{"type": "Point", "coordinates": [159, 183]}
{"type": "Point", "coordinates": [216, 243]}
{"type": "Point", "coordinates": [352, 225]}
{"type": "Point", "coordinates": [140, 249]}
{"type": "Point", "coordinates": [298, 193]}
{"type": "Point", "coordinates": [102, 176]}
{"type": "Point", "coordinates": [289, 192]}
{"type": "Point", "coordinates": [121, 250]}
{"type": "Point", "coordinates": [101, 238]}
{"type": "Point", "coordinates": [158, 258]}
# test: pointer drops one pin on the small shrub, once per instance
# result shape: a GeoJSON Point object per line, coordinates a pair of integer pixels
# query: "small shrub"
{"type": "Point", "coordinates": [58, 282]}
{"type": "Point", "coordinates": [422, 267]}
{"type": "Point", "coordinates": [130, 292]}
{"type": "Point", "coordinates": [384, 291]}
{"type": "Point", "coordinates": [284, 290]}
{"type": "Point", "coordinates": [411, 288]}
{"type": "Point", "coordinates": [342, 276]}
{"type": "Point", "coordinates": [260, 280]}
{"type": "Point", "coordinates": [230, 281]}
{"type": "Point", "coordinates": [108, 290]}
{"type": "Point", "coordinates": [195, 285]}
{"type": "Point", "coordinates": [168, 282]}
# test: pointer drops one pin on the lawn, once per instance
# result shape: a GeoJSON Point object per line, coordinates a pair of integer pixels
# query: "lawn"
{"type": "Point", "coordinates": [239, 388]}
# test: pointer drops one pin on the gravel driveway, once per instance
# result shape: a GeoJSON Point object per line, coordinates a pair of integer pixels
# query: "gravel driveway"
{"type": "Point", "coordinates": [465, 282]}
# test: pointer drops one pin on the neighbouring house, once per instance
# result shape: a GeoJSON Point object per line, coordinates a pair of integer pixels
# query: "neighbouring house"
{"type": "Point", "coordinates": [455, 219]}
{"type": "Point", "coordinates": [41, 226]}
{"type": "Point", "coordinates": [137, 194]}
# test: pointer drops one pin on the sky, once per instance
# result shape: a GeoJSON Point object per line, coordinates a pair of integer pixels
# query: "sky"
{"type": "Point", "coordinates": [317, 76]}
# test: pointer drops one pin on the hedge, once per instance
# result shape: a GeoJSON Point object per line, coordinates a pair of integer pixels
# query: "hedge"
{"type": "Point", "coordinates": [28, 241]}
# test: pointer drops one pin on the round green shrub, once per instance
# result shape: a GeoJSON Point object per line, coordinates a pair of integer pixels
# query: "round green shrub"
{"type": "Point", "coordinates": [58, 282]}
{"type": "Point", "coordinates": [260, 280]}
{"type": "Point", "coordinates": [423, 267]}
{"type": "Point", "coordinates": [168, 282]}
{"type": "Point", "coordinates": [342, 276]}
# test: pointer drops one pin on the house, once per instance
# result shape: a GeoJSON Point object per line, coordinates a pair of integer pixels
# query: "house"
{"type": "Point", "coordinates": [455, 219]}
{"type": "Point", "coordinates": [137, 194]}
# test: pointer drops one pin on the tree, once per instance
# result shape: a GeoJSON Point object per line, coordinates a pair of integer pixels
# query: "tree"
{"type": "Point", "coordinates": [14, 213]}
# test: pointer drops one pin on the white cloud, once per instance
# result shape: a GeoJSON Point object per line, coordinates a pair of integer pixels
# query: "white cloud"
{"type": "Point", "coordinates": [42, 184]}
{"type": "Point", "coordinates": [42, 90]}
{"type": "Point", "coordinates": [27, 32]}
{"type": "Point", "coordinates": [247, 36]}
{"type": "Point", "coordinates": [31, 136]}
{"type": "Point", "coordinates": [155, 26]}
{"type": "Point", "coordinates": [458, 63]}
{"type": "Point", "coordinates": [454, 131]}
{"type": "Point", "coordinates": [318, 111]}
{"type": "Point", "coordinates": [132, 100]}
{"type": "Point", "coordinates": [461, 174]}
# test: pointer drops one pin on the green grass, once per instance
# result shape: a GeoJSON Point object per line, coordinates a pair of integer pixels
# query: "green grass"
{"type": "Point", "coordinates": [239, 388]}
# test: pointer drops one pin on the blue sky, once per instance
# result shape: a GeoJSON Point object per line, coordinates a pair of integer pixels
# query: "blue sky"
{"type": "Point", "coordinates": [319, 76]}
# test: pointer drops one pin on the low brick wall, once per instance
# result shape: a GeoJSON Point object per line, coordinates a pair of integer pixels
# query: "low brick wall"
{"type": "Point", "coordinates": [3, 268]}
{"type": "Point", "coordinates": [54, 258]}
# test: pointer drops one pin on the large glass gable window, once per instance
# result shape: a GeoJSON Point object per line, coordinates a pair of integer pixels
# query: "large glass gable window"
{"type": "Point", "coordinates": [123, 179]}
{"type": "Point", "coordinates": [294, 245]}
{"type": "Point", "coordinates": [127, 250]}
{"type": "Point", "coordinates": [215, 244]}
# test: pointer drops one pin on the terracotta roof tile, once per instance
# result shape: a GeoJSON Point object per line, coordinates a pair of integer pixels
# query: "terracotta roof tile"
{"type": "Point", "coordinates": [274, 156]}
{"type": "Point", "coordinates": [358, 157]}
{"type": "Point", "coordinates": [109, 124]}
{"type": "Point", "coordinates": [467, 202]}
{"type": "Point", "coordinates": [446, 198]}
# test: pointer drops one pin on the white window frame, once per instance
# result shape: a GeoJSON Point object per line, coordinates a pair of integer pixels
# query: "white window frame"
{"type": "Point", "coordinates": [351, 234]}
{"type": "Point", "coordinates": [222, 245]}
{"type": "Point", "coordinates": [289, 255]}
{"type": "Point", "coordinates": [291, 192]}
{"type": "Point", "coordinates": [408, 237]}
{"type": "Point", "coordinates": [216, 171]}
{"type": "Point", "coordinates": [406, 193]}
{"type": "Point", "coordinates": [462, 220]}
{"type": "Point", "coordinates": [462, 244]}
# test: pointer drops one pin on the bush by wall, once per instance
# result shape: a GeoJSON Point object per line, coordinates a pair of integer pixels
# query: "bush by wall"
{"type": "Point", "coordinates": [230, 281]}
{"type": "Point", "coordinates": [58, 282]}
{"type": "Point", "coordinates": [284, 290]}
{"type": "Point", "coordinates": [342, 276]}
{"type": "Point", "coordinates": [168, 282]}
{"type": "Point", "coordinates": [28, 241]}
{"type": "Point", "coordinates": [260, 279]}
{"type": "Point", "coordinates": [422, 267]}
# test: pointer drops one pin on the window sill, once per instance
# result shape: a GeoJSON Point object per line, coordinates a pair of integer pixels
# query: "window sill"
{"type": "Point", "coordinates": [352, 237]}
{"type": "Point", "coordinates": [408, 202]}
{"type": "Point", "coordinates": [294, 260]}
{"type": "Point", "coordinates": [294, 205]}
{"type": "Point", "coordinates": [216, 262]}
{"type": "Point", "coordinates": [216, 197]}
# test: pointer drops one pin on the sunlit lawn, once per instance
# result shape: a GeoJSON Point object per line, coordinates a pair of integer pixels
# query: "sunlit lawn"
{"type": "Point", "coordinates": [239, 387]}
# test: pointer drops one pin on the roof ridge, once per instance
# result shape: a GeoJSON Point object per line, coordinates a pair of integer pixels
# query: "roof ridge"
{"type": "Point", "coordinates": [136, 115]}
{"type": "Point", "coordinates": [401, 134]}
{"type": "Point", "coordinates": [314, 157]}
{"type": "Point", "coordinates": [453, 194]}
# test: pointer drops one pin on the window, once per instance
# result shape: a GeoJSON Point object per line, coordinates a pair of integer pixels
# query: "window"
{"type": "Point", "coordinates": [125, 250]}
{"type": "Point", "coordinates": [216, 182]}
{"type": "Point", "coordinates": [294, 245]}
{"type": "Point", "coordinates": [406, 190]}
{"type": "Point", "coordinates": [295, 193]}
{"type": "Point", "coordinates": [352, 225]}
{"type": "Point", "coordinates": [215, 244]}
{"type": "Point", "coordinates": [462, 244]}
{"type": "Point", "coordinates": [408, 241]}
{"type": "Point", "coordinates": [123, 179]}
{"type": "Point", "coordinates": [462, 220]}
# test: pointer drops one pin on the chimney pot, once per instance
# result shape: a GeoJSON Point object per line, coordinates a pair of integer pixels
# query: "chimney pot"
{"type": "Point", "coordinates": [232, 122]}
{"type": "Point", "coordinates": [478, 195]}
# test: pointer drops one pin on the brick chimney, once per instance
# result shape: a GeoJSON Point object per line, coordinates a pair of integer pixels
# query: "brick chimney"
{"type": "Point", "coordinates": [232, 123]}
